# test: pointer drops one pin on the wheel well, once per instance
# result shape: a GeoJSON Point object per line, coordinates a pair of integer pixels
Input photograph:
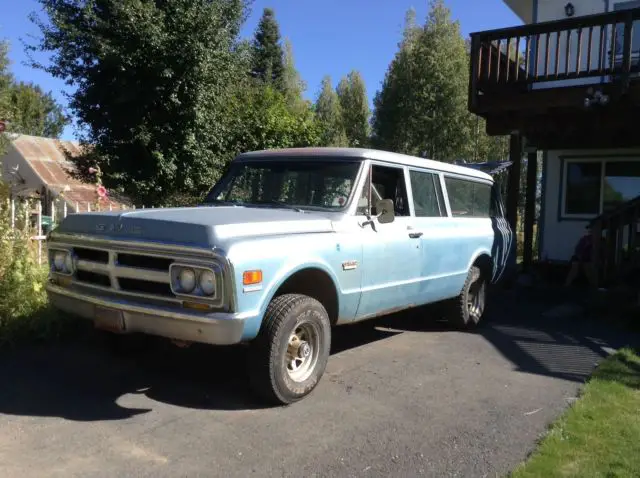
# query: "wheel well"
{"type": "Point", "coordinates": [485, 264]}
{"type": "Point", "coordinates": [313, 283]}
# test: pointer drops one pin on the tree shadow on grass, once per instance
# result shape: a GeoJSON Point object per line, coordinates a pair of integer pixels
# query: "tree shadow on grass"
{"type": "Point", "coordinates": [623, 368]}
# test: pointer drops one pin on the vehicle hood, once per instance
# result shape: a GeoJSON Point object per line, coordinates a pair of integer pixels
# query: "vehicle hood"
{"type": "Point", "coordinates": [204, 226]}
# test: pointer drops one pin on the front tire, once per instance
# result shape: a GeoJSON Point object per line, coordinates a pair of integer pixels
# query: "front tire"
{"type": "Point", "coordinates": [290, 354]}
{"type": "Point", "coordinates": [467, 310]}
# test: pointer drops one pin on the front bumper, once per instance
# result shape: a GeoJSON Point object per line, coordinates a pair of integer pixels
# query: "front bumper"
{"type": "Point", "coordinates": [216, 328]}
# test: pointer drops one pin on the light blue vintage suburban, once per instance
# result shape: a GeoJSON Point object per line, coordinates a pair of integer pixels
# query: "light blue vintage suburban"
{"type": "Point", "coordinates": [286, 245]}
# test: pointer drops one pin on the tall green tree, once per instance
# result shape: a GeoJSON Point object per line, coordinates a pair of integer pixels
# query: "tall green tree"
{"type": "Point", "coordinates": [153, 87]}
{"type": "Point", "coordinates": [329, 115]}
{"type": "Point", "coordinates": [24, 107]}
{"type": "Point", "coordinates": [5, 82]}
{"type": "Point", "coordinates": [293, 84]}
{"type": "Point", "coordinates": [34, 112]}
{"type": "Point", "coordinates": [422, 106]}
{"type": "Point", "coordinates": [392, 105]}
{"type": "Point", "coordinates": [264, 120]}
{"type": "Point", "coordinates": [352, 93]}
{"type": "Point", "coordinates": [268, 58]}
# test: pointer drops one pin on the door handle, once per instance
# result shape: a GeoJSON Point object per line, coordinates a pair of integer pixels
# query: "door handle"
{"type": "Point", "coordinates": [415, 235]}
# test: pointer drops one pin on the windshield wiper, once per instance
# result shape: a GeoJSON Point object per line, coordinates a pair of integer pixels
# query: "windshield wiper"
{"type": "Point", "coordinates": [221, 201]}
{"type": "Point", "coordinates": [281, 204]}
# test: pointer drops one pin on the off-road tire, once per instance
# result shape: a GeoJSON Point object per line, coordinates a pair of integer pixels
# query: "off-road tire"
{"type": "Point", "coordinates": [459, 313]}
{"type": "Point", "coordinates": [268, 353]}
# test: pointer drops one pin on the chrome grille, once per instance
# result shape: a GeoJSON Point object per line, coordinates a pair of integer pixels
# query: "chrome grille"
{"type": "Point", "coordinates": [127, 272]}
{"type": "Point", "coordinates": [141, 270]}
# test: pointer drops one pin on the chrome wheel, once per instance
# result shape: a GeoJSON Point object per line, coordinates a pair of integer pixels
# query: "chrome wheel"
{"type": "Point", "coordinates": [476, 299]}
{"type": "Point", "coordinates": [302, 351]}
{"type": "Point", "coordinates": [294, 343]}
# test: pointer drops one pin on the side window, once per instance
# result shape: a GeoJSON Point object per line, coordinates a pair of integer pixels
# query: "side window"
{"type": "Point", "coordinates": [427, 194]}
{"type": "Point", "coordinates": [468, 198]}
{"type": "Point", "coordinates": [481, 200]}
{"type": "Point", "coordinates": [384, 182]}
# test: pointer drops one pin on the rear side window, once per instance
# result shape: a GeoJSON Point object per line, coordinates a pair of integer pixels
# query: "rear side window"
{"type": "Point", "coordinates": [427, 194]}
{"type": "Point", "coordinates": [468, 198]}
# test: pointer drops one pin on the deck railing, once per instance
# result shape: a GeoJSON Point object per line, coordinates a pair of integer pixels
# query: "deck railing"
{"type": "Point", "coordinates": [617, 233]}
{"type": "Point", "coordinates": [575, 48]}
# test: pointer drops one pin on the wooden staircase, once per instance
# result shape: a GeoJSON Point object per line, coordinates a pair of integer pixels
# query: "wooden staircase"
{"type": "Point", "coordinates": [618, 257]}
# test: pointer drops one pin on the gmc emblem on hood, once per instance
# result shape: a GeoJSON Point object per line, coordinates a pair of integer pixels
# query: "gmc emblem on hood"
{"type": "Point", "coordinates": [119, 228]}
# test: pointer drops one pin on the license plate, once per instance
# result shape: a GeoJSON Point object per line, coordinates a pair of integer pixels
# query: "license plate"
{"type": "Point", "coordinates": [108, 319]}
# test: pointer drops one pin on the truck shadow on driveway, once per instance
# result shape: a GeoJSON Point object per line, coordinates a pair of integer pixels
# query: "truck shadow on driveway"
{"type": "Point", "coordinates": [83, 381]}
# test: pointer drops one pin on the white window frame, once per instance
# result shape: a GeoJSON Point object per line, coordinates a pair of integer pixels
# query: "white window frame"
{"type": "Point", "coordinates": [438, 179]}
{"type": "Point", "coordinates": [602, 160]}
{"type": "Point", "coordinates": [445, 176]}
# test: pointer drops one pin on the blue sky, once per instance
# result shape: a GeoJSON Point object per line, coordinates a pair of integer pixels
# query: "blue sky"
{"type": "Point", "coordinates": [328, 36]}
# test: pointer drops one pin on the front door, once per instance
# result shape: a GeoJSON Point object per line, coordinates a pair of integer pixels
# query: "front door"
{"type": "Point", "coordinates": [391, 252]}
{"type": "Point", "coordinates": [441, 260]}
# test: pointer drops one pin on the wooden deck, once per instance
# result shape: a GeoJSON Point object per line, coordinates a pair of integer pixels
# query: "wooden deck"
{"type": "Point", "coordinates": [559, 83]}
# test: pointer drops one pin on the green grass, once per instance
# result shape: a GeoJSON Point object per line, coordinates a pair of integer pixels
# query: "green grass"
{"type": "Point", "coordinates": [599, 436]}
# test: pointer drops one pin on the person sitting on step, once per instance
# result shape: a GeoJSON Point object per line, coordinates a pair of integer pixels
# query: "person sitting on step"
{"type": "Point", "coordinates": [582, 260]}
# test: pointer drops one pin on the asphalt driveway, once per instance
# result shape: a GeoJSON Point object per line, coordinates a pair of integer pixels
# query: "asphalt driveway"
{"type": "Point", "coordinates": [402, 396]}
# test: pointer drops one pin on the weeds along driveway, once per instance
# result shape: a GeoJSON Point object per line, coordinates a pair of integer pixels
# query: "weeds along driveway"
{"type": "Point", "coordinates": [402, 396]}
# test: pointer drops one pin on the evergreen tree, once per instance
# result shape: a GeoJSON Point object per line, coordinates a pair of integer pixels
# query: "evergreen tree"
{"type": "Point", "coordinates": [268, 58]}
{"type": "Point", "coordinates": [422, 106]}
{"type": "Point", "coordinates": [329, 115]}
{"type": "Point", "coordinates": [293, 85]}
{"type": "Point", "coordinates": [352, 93]}
{"type": "Point", "coordinates": [5, 82]}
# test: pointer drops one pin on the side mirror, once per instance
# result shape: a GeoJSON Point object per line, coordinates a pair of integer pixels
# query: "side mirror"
{"type": "Point", "coordinates": [385, 211]}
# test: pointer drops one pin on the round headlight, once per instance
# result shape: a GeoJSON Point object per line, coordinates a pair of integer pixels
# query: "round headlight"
{"type": "Point", "coordinates": [187, 280]}
{"type": "Point", "coordinates": [208, 283]}
{"type": "Point", "coordinates": [68, 263]}
{"type": "Point", "coordinates": [59, 259]}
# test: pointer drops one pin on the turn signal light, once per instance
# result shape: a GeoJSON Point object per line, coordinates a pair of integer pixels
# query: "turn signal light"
{"type": "Point", "coordinates": [196, 306]}
{"type": "Point", "coordinates": [251, 277]}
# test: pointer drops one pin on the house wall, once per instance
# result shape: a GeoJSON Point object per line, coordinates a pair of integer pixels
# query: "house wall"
{"type": "Point", "coordinates": [558, 233]}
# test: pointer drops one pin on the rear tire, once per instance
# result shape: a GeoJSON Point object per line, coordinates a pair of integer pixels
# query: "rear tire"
{"type": "Point", "coordinates": [467, 310]}
{"type": "Point", "coordinates": [290, 353]}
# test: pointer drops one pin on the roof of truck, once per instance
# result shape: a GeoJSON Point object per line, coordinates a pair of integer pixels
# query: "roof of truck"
{"type": "Point", "coordinates": [362, 153]}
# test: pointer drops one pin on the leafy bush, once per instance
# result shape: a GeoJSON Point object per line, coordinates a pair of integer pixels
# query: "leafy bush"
{"type": "Point", "coordinates": [24, 312]}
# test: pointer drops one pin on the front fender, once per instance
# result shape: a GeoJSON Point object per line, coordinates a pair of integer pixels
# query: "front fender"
{"type": "Point", "coordinates": [289, 269]}
{"type": "Point", "coordinates": [274, 280]}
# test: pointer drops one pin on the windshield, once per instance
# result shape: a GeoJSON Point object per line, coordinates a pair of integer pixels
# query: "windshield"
{"type": "Point", "coordinates": [299, 184]}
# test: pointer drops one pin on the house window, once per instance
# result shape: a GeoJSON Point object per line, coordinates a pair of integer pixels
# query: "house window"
{"type": "Point", "coordinates": [583, 188]}
{"type": "Point", "coordinates": [468, 198]}
{"type": "Point", "coordinates": [594, 187]}
{"type": "Point", "coordinates": [621, 183]}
